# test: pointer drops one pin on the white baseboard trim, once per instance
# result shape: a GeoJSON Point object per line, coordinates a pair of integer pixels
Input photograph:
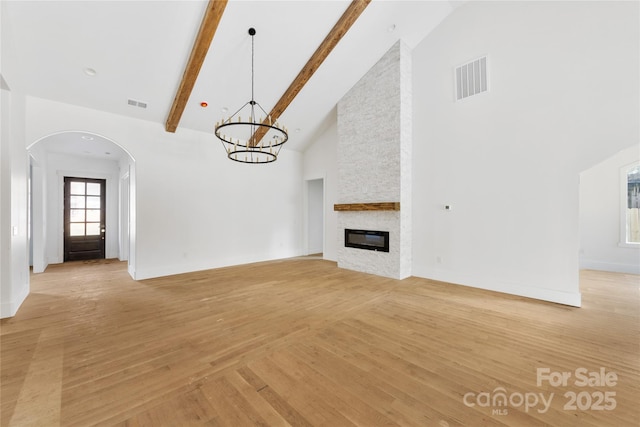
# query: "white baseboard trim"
{"type": "Point", "coordinates": [566, 298]}
{"type": "Point", "coordinates": [10, 308]}
{"type": "Point", "coordinates": [170, 270]}
{"type": "Point", "coordinates": [589, 264]}
{"type": "Point", "coordinates": [40, 269]}
{"type": "Point", "coordinates": [54, 260]}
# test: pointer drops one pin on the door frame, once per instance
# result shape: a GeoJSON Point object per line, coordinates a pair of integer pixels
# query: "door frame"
{"type": "Point", "coordinates": [307, 214]}
{"type": "Point", "coordinates": [101, 237]}
{"type": "Point", "coordinates": [111, 220]}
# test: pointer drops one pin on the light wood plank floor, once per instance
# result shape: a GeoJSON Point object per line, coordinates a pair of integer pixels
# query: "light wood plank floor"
{"type": "Point", "coordinates": [300, 342]}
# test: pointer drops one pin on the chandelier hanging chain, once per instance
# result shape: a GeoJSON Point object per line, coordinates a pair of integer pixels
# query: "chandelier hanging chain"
{"type": "Point", "coordinates": [253, 102]}
{"type": "Point", "coordinates": [252, 67]}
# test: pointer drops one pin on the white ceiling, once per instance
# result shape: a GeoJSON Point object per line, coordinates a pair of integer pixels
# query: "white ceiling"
{"type": "Point", "coordinates": [139, 50]}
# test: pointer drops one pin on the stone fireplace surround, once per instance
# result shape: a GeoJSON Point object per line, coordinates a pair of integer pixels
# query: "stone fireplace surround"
{"type": "Point", "coordinates": [374, 164]}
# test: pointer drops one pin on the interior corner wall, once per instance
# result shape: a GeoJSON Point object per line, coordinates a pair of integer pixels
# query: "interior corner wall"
{"type": "Point", "coordinates": [6, 287]}
{"type": "Point", "coordinates": [124, 208]}
{"type": "Point", "coordinates": [132, 228]}
{"type": "Point", "coordinates": [563, 92]}
{"type": "Point", "coordinates": [602, 200]}
{"type": "Point", "coordinates": [14, 172]}
{"type": "Point", "coordinates": [38, 215]}
{"type": "Point", "coordinates": [14, 165]}
{"type": "Point", "coordinates": [192, 209]}
{"type": "Point", "coordinates": [315, 216]}
{"type": "Point", "coordinates": [320, 161]}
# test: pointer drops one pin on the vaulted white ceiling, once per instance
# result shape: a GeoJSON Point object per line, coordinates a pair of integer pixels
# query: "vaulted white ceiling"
{"type": "Point", "coordinates": [139, 50]}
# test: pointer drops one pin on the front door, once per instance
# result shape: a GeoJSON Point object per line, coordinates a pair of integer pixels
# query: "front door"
{"type": "Point", "coordinates": [84, 230]}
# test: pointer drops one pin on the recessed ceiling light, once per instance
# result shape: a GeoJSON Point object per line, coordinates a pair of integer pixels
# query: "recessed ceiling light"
{"type": "Point", "coordinates": [225, 110]}
{"type": "Point", "coordinates": [391, 28]}
{"type": "Point", "coordinates": [297, 130]}
{"type": "Point", "coordinates": [90, 71]}
{"type": "Point", "coordinates": [87, 137]}
{"type": "Point", "coordinates": [107, 153]}
{"type": "Point", "coordinates": [204, 104]}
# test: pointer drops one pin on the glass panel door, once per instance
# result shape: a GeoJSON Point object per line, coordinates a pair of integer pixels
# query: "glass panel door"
{"type": "Point", "coordinates": [84, 214]}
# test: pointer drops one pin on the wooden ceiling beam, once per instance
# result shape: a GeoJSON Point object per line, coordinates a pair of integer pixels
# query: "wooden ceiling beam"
{"type": "Point", "coordinates": [208, 28]}
{"type": "Point", "coordinates": [348, 18]}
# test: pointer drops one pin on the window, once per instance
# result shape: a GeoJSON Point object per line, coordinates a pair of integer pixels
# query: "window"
{"type": "Point", "coordinates": [631, 179]}
{"type": "Point", "coordinates": [85, 213]}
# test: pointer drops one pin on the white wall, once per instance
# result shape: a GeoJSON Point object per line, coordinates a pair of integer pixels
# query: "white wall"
{"type": "Point", "coordinates": [7, 307]}
{"type": "Point", "coordinates": [563, 95]}
{"type": "Point", "coordinates": [5, 205]}
{"type": "Point", "coordinates": [315, 216]}
{"type": "Point", "coordinates": [124, 211]}
{"type": "Point", "coordinates": [14, 287]}
{"type": "Point", "coordinates": [14, 167]}
{"type": "Point", "coordinates": [320, 161]}
{"type": "Point", "coordinates": [602, 216]}
{"type": "Point", "coordinates": [38, 216]}
{"type": "Point", "coordinates": [194, 209]}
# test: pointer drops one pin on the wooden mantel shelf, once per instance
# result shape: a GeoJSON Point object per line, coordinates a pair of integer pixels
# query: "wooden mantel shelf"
{"type": "Point", "coordinates": [380, 206]}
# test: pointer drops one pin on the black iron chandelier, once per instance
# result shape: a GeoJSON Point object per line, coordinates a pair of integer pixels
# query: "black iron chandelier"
{"type": "Point", "coordinates": [252, 140]}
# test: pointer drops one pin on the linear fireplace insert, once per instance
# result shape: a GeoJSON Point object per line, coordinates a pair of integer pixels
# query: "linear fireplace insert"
{"type": "Point", "coordinates": [367, 239]}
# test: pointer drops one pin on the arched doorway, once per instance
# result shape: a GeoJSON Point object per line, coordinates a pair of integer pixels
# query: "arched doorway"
{"type": "Point", "coordinates": [81, 155]}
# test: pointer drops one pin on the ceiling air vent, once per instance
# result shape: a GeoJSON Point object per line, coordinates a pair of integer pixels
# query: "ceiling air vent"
{"type": "Point", "coordinates": [471, 78]}
{"type": "Point", "coordinates": [135, 103]}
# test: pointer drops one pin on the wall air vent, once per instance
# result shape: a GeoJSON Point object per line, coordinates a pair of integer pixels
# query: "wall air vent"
{"type": "Point", "coordinates": [471, 78]}
{"type": "Point", "coordinates": [135, 103]}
